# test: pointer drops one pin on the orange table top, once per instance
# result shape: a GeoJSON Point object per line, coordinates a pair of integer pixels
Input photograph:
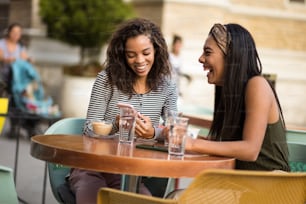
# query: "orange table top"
{"type": "Point", "coordinates": [108, 155]}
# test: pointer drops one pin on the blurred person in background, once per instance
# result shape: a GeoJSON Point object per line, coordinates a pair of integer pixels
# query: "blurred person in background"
{"type": "Point", "coordinates": [11, 49]}
{"type": "Point", "coordinates": [176, 61]}
{"type": "Point", "coordinates": [22, 82]}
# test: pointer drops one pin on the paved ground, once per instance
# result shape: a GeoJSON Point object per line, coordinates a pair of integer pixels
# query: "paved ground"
{"type": "Point", "coordinates": [29, 181]}
{"type": "Point", "coordinates": [30, 171]}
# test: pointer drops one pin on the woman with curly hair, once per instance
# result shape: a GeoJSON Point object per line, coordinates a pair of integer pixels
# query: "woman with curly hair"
{"type": "Point", "coordinates": [137, 71]}
{"type": "Point", "coordinates": [248, 123]}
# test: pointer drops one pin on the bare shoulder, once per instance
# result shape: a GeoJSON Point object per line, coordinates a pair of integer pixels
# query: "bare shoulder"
{"type": "Point", "coordinates": [260, 96]}
{"type": "Point", "coordinates": [258, 89]}
{"type": "Point", "coordinates": [258, 83]}
{"type": "Point", "coordinates": [257, 80]}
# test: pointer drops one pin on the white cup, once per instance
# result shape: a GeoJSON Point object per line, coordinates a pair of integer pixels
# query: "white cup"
{"type": "Point", "coordinates": [193, 132]}
{"type": "Point", "coordinates": [101, 128]}
{"type": "Point", "coordinates": [177, 136]}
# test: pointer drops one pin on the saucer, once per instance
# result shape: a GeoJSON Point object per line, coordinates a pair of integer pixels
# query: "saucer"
{"type": "Point", "coordinates": [92, 134]}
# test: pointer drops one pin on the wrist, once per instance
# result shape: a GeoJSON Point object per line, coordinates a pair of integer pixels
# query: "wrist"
{"type": "Point", "coordinates": [152, 133]}
{"type": "Point", "coordinates": [190, 144]}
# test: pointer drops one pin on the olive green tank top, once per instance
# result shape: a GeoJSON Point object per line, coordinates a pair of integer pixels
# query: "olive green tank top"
{"type": "Point", "coordinates": [274, 151]}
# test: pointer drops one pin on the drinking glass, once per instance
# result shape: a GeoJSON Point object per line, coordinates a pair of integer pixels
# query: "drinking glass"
{"type": "Point", "coordinates": [127, 124]}
{"type": "Point", "coordinates": [169, 120]}
{"type": "Point", "coordinates": [124, 149]}
{"type": "Point", "coordinates": [177, 136]}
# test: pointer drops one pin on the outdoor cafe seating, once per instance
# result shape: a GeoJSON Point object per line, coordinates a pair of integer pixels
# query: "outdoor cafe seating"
{"type": "Point", "coordinates": [232, 184]}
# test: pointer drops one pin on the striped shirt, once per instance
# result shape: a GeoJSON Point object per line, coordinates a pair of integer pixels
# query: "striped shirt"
{"type": "Point", "coordinates": [104, 99]}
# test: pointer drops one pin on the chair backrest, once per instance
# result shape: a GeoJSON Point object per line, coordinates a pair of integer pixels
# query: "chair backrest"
{"type": "Point", "coordinates": [244, 187]}
{"type": "Point", "coordinates": [3, 110]}
{"type": "Point", "coordinates": [296, 135]}
{"type": "Point", "coordinates": [296, 140]}
{"type": "Point", "coordinates": [57, 172]}
{"type": "Point", "coordinates": [226, 186]}
{"type": "Point", "coordinates": [114, 196]}
{"type": "Point", "coordinates": [8, 194]}
{"type": "Point", "coordinates": [297, 156]}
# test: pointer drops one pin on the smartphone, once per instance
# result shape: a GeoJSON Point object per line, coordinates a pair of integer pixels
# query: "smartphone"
{"type": "Point", "coordinates": [152, 147]}
{"type": "Point", "coordinates": [122, 105]}
{"type": "Point", "coordinates": [131, 107]}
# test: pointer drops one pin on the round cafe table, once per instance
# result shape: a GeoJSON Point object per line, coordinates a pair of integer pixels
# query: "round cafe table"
{"type": "Point", "coordinates": [108, 155]}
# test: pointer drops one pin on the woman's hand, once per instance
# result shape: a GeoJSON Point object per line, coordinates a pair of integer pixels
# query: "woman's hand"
{"type": "Point", "coordinates": [189, 143]}
{"type": "Point", "coordinates": [144, 127]}
{"type": "Point", "coordinates": [165, 133]}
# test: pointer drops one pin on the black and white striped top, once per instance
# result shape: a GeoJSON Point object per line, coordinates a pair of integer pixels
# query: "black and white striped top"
{"type": "Point", "coordinates": [104, 99]}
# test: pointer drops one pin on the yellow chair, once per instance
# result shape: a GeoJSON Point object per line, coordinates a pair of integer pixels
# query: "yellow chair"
{"type": "Point", "coordinates": [226, 186]}
{"type": "Point", "coordinates": [3, 110]}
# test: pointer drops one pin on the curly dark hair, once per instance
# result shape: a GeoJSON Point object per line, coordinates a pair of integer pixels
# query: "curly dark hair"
{"type": "Point", "coordinates": [119, 73]}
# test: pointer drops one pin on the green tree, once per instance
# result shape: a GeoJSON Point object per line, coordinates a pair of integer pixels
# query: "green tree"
{"type": "Point", "coordinates": [84, 23]}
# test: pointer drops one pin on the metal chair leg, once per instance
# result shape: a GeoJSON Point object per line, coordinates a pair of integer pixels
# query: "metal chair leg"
{"type": "Point", "coordinates": [44, 185]}
{"type": "Point", "coordinates": [169, 187]}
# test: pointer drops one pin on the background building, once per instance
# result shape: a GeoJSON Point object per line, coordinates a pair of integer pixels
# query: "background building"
{"type": "Point", "coordinates": [278, 27]}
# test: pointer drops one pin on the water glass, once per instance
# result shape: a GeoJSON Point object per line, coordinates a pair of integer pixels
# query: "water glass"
{"type": "Point", "coordinates": [127, 124]}
{"type": "Point", "coordinates": [125, 149]}
{"type": "Point", "coordinates": [169, 120]}
{"type": "Point", "coordinates": [177, 136]}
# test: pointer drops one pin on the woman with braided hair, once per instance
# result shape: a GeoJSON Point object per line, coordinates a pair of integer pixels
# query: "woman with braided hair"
{"type": "Point", "coordinates": [248, 123]}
